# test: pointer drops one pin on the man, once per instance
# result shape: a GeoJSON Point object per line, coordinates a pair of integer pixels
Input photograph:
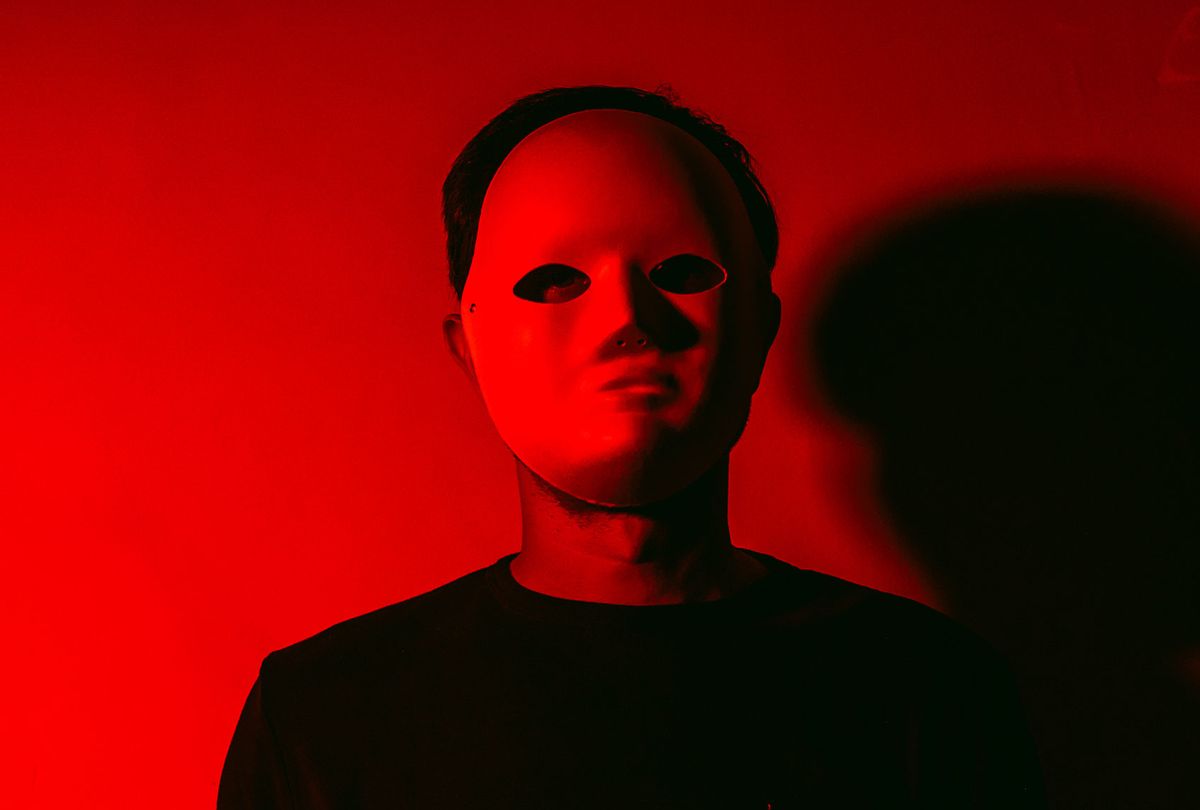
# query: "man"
{"type": "Point", "coordinates": [612, 254]}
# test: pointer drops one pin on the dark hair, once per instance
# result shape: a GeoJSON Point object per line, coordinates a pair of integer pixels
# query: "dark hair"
{"type": "Point", "coordinates": [476, 165]}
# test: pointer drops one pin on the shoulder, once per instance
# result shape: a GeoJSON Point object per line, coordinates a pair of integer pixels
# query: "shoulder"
{"type": "Point", "coordinates": [865, 622]}
{"type": "Point", "coordinates": [892, 664]}
{"type": "Point", "coordinates": [388, 639]}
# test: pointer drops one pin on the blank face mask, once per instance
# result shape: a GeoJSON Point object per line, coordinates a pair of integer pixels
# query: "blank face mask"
{"type": "Point", "coordinates": [614, 310]}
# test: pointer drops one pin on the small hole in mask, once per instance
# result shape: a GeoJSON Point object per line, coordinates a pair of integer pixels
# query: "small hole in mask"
{"type": "Point", "coordinates": [472, 308]}
{"type": "Point", "coordinates": [551, 284]}
{"type": "Point", "coordinates": [687, 273]}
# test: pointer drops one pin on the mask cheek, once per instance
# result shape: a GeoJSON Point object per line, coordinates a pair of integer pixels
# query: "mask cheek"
{"type": "Point", "coordinates": [709, 320]}
{"type": "Point", "coordinates": [518, 382]}
{"type": "Point", "coordinates": [493, 353]}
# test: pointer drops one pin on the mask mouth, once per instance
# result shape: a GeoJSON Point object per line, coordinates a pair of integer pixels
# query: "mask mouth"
{"type": "Point", "coordinates": [641, 391]}
{"type": "Point", "coordinates": [652, 381]}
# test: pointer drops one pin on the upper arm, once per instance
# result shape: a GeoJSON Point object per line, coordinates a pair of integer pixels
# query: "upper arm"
{"type": "Point", "coordinates": [976, 749]}
{"type": "Point", "coordinates": [254, 776]}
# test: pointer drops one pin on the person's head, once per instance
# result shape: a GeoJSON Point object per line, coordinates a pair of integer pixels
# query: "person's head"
{"type": "Point", "coordinates": [598, 234]}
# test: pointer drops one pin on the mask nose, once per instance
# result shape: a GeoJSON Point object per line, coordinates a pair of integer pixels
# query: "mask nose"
{"type": "Point", "coordinates": [631, 339]}
{"type": "Point", "coordinates": [640, 315]}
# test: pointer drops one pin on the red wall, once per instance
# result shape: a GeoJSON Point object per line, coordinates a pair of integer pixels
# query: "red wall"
{"type": "Point", "coordinates": [228, 417]}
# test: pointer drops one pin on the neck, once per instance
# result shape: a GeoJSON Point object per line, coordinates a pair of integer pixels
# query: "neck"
{"type": "Point", "coordinates": [674, 550]}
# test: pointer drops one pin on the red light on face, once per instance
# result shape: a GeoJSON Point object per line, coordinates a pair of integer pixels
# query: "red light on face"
{"type": "Point", "coordinates": [615, 368]}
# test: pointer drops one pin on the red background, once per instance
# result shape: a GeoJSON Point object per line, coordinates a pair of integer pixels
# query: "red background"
{"type": "Point", "coordinates": [228, 417]}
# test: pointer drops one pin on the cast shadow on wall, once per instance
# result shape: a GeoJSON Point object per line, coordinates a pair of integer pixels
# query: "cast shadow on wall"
{"type": "Point", "coordinates": [1027, 365]}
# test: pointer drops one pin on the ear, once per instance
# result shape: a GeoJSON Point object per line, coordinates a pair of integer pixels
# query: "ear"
{"type": "Point", "coordinates": [456, 341]}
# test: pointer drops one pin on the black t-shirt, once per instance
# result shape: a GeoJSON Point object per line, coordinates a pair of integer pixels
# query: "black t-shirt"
{"type": "Point", "coordinates": [800, 690]}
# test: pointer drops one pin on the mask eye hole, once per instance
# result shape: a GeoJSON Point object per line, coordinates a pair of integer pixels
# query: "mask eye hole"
{"type": "Point", "coordinates": [687, 274]}
{"type": "Point", "coordinates": [551, 284]}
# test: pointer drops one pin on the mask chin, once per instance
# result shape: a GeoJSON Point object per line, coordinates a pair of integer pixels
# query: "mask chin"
{"type": "Point", "coordinates": [622, 482]}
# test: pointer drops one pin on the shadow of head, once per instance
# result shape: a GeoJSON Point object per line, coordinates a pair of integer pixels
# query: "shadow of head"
{"type": "Point", "coordinates": [1027, 363]}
